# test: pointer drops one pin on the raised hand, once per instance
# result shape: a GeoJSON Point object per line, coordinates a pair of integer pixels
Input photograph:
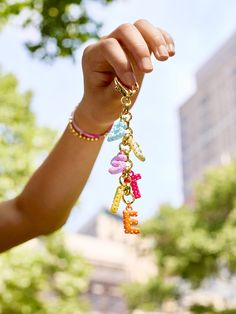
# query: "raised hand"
{"type": "Point", "coordinates": [125, 53]}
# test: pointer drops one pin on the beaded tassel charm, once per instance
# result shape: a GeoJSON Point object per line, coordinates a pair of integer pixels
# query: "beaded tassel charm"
{"type": "Point", "coordinates": [128, 189]}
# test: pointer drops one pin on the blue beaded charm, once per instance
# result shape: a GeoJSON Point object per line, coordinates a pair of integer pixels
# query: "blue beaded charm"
{"type": "Point", "coordinates": [117, 131]}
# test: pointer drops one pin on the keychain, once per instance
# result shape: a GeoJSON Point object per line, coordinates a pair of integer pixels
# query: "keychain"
{"type": "Point", "coordinates": [128, 190]}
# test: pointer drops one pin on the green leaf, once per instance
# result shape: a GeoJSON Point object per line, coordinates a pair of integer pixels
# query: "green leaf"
{"type": "Point", "coordinates": [62, 26]}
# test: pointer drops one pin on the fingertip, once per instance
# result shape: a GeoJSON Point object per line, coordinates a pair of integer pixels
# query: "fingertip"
{"type": "Point", "coordinates": [171, 50]}
{"type": "Point", "coordinates": [161, 57]}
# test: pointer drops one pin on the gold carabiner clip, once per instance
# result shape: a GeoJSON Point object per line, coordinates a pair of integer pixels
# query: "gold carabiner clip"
{"type": "Point", "coordinates": [126, 92]}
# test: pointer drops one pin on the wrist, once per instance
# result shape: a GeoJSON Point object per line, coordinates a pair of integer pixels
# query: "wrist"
{"type": "Point", "coordinates": [87, 122]}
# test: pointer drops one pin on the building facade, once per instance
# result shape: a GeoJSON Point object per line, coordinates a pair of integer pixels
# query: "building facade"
{"type": "Point", "coordinates": [208, 118]}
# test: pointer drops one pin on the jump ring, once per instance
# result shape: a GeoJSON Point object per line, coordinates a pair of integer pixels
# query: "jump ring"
{"type": "Point", "coordinates": [128, 202]}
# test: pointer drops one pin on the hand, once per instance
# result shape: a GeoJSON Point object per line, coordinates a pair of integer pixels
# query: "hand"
{"type": "Point", "coordinates": [125, 53]}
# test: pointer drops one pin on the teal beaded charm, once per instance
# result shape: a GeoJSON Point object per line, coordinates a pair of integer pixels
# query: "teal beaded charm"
{"type": "Point", "coordinates": [117, 131]}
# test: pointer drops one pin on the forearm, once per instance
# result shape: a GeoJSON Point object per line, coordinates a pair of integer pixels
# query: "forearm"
{"type": "Point", "coordinates": [56, 185]}
{"type": "Point", "coordinates": [15, 227]}
{"type": "Point", "coordinates": [46, 201]}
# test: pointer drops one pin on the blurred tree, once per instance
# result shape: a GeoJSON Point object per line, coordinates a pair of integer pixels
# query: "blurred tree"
{"type": "Point", "coordinates": [209, 309]}
{"type": "Point", "coordinates": [60, 26]}
{"type": "Point", "coordinates": [192, 245]}
{"type": "Point", "coordinates": [45, 279]}
{"type": "Point", "coordinates": [21, 140]}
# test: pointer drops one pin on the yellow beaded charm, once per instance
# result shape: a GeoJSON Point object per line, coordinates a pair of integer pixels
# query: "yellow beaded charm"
{"type": "Point", "coordinates": [136, 149]}
{"type": "Point", "coordinates": [117, 198]}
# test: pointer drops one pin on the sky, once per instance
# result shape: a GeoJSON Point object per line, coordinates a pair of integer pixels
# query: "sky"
{"type": "Point", "coordinates": [199, 28]}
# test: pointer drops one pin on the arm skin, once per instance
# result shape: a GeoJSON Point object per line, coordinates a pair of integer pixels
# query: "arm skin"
{"type": "Point", "coordinates": [46, 201]}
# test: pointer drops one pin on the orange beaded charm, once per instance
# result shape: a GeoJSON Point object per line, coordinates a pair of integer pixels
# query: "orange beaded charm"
{"type": "Point", "coordinates": [129, 222]}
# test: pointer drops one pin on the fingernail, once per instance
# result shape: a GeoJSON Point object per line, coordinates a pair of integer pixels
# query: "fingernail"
{"type": "Point", "coordinates": [146, 63]}
{"type": "Point", "coordinates": [171, 49]}
{"type": "Point", "coordinates": [163, 51]}
{"type": "Point", "coordinates": [129, 79]}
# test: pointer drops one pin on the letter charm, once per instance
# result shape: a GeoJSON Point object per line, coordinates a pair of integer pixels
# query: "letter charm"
{"type": "Point", "coordinates": [134, 185]}
{"type": "Point", "coordinates": [137, 150]}
{"type": "Point", "coordinates": [117, 131]}
{"type": "Point", "coordinates": [129, 222]}
{"type": "Point", "coordinates": [117, 198]}
{"type": "Point", "coordinates": [118, 163]}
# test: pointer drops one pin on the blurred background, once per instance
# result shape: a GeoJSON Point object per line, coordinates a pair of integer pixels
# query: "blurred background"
{"type": "Point", "coordinates": [185, 261]}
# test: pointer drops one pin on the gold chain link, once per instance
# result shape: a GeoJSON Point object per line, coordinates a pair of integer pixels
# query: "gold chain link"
{"type": "Point", "coordinates": [125, 146]}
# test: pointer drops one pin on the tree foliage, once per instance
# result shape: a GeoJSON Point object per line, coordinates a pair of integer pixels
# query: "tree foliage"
{"type": "Point", "coordinates": [192, 245]}
{"type": "Point", "coordinates": [44, 279]}
{"type": "Point", "coordinates": [60, 26]}
{"type": "Point", "coordinates": [147, 296]}
{"type": "Point", "coordinates": [209, 309]}
{"type": "Point", "coordinates": [21, 139]}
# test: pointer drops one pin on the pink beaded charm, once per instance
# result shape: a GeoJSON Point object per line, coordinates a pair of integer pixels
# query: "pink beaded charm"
{"type": "Point", "coordinates": [118, 163]}
{"type": "Point", "coordinates": [134, 185]}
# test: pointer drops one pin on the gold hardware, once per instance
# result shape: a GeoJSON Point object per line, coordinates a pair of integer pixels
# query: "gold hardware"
{"type": "Point", "coordinates": [125, 190]}
{"type": "Point", "coordinates": [126, 92]}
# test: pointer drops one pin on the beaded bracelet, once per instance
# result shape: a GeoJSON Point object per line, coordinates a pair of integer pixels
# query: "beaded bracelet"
{"type": "Point", "coordinates": [83, 134]}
